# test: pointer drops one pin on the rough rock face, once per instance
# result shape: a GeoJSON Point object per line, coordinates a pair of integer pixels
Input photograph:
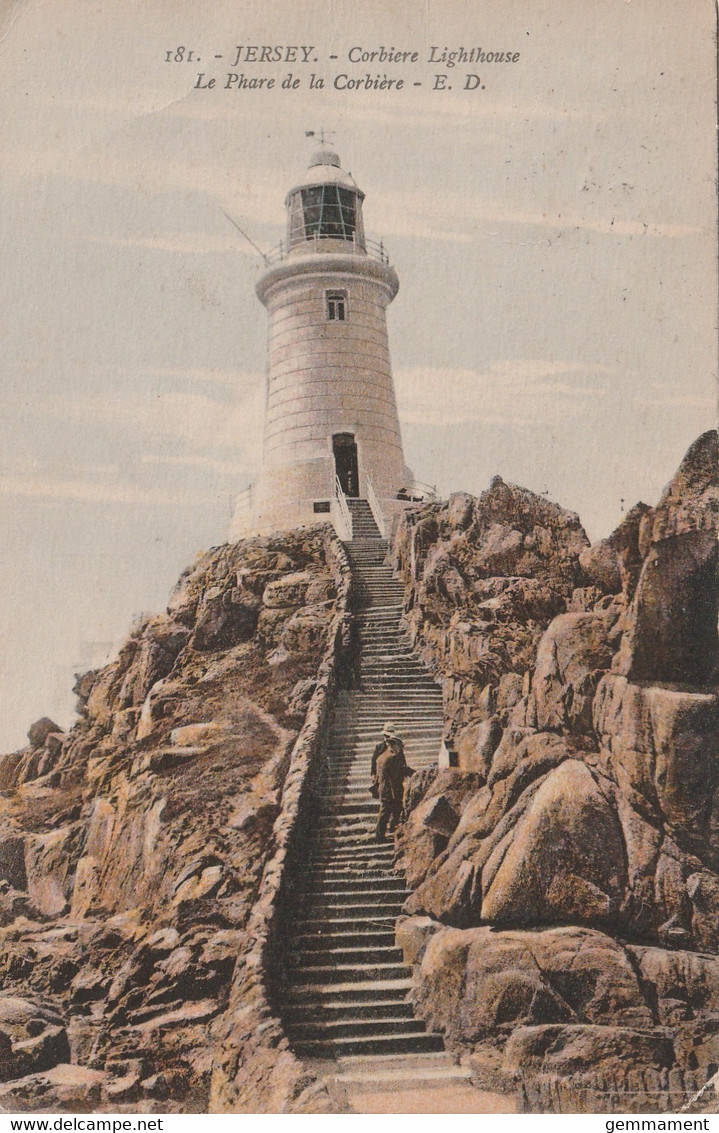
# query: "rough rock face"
{"type": "Point", "coordinates": [484, 578]}
{"type": "Point", "coordinates": [132, 847]}
{"type": "Point", "coordinates": [598, 798]}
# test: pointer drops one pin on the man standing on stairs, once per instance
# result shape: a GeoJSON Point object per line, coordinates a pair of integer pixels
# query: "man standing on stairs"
{"type": "Point", "coordinates": [389, 770]}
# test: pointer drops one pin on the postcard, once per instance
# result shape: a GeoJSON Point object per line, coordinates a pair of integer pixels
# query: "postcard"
{"type": "Point", "coordinates": [360, 506]}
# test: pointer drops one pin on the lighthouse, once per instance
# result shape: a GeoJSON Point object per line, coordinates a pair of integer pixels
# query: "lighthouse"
{"type": "Point", "coordinates": [331, 430]}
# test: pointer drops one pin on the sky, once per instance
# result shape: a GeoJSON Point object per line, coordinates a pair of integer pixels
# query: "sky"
{"type": "Point", "coordinates": [553, 228]}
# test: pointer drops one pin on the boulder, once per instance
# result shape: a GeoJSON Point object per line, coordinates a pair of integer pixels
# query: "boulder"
{"type": "Point", "coordinates": [672, 977]}
{"type": "Point", "coordinates": [440, 817]}
{"type": "Point", "coordinates": [477, 743]}
{"type": "Point", "coordinates": [413, 934]}
{"type": "Point", "coordinates": [49, 867]}
{"type": "Point", "coordinates": [419, 841]}
{"type": "Point", "coordinates": [667, 743]}
{"type": "Point", "coordinates": [564, 859]}
{"type": "Point", "coordinates": [500, 549]}
{"type": "Point", "coordinates": [161, 640]}
{"type": "Point", "coordinates": [223, 622]}
{"type": "Point", "coordinates": [305, 629]}
{"type": "Point", "coordinates": [290, 590]}
{"type": "Point", "coordinates": [670, 633]}
{"type": "Point", "coordinates": [204, 734]}
{"type": "Point", "coordinates": [37, 1053]}
{"type": "Point", "coordinates": [613, 564]}
{"type": "Point", "coordinates": [474, 983]}
{"type": "Point", "coordinates": [40, 730]}
{"type": "Point", "coordinates": [564, 1049]}
{"type": "Point", "coordinates": [460, 510]}
{"type": "Point", "coordinates": [690, 502]}
{"type": "Point", "coordinates": [62, 1089]}
{"type": "Point", "coordinates": [572, 656]}
{"type": "Point", "coordinates": [301, 696]}
{"type": "Point", "coordinates": [12, 860]}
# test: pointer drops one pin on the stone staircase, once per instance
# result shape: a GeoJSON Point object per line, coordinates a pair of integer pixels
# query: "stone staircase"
{"type": "Point", "coordinates": [346, 987]}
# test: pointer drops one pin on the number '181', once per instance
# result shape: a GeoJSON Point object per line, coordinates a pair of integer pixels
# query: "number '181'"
{"type": "Point", "coordinates": [180, 55]}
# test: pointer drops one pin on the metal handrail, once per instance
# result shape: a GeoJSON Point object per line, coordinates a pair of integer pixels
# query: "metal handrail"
{"type": "Point", "coordinates": [341, 514]}
{"type": "Point", "coordinates": [375, 506]}
{"type": "Point", "coordinates": [375, 249]}
{"type": "Point", "coordinates": [419, 492]}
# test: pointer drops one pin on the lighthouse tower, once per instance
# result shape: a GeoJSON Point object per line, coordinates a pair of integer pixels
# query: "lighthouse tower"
{"type": "Point", "coordinates": [331, 430]}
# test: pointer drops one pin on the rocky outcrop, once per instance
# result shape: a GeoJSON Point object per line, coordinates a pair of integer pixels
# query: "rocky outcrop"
{"type": "Point", "coordinates": [134, 847]}
{"type": "Point", "coordinates": [591, 801]}
{"type": "Point", "coordinates": [484, 579]}
{"type": "Point", "coordinates": [565, 870]}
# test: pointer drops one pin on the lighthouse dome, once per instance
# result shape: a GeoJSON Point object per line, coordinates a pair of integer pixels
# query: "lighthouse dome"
{"type": "Point", "coordinates": [325, 157]}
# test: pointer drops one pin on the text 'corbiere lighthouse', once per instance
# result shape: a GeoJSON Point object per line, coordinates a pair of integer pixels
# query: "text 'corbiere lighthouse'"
{"type": "Point", "coordinates": [331, 431]}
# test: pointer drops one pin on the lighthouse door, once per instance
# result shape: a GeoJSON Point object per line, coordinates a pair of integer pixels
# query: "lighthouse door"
{"type": "Point", "coordinates": [346, 463]}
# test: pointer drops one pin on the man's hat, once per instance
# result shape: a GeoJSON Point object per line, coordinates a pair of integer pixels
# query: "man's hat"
{"type": "Point", "coordinates": [390, 730]}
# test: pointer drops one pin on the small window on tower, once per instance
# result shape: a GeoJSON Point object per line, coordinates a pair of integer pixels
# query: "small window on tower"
{"type": "Point", "coordinates": [336, 306]}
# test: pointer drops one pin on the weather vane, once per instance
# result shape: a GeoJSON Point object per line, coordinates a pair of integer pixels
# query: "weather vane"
{"type": "Point", "coordinates": [325, 136]}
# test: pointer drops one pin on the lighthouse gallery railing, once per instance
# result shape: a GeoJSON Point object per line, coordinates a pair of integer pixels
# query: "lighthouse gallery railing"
{"type": "Point", "coordinates": [375, 249]}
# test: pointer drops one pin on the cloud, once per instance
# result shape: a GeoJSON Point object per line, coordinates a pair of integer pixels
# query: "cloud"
{"type": "Point", "coordinates": [228, 423]}
{"type": "Point", "coordinates": [415, 214]}
{"type": "Point", "coordinates": [667, 400]}
{"type": "Point", "coordinates": [508, 393]}
{"type": "Point", "coordinates": [87, 491]}
{"type": "Point", "coordinates": [183, 243]}
{"type": "Point", "coordinates": [225, 467]}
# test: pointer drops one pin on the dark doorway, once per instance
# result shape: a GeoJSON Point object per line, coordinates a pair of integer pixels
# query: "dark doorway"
{"type": "Point", "coordinates": [346, 464]}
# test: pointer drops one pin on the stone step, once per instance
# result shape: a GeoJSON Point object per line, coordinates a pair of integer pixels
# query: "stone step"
{"type": "Point", "coordinates": [379, 582]}
{"type": "Point", "coordinates": [371, 852]}
{"type": "Point", "coordinates": [335, 862]}
{"type": "Point", "coordinates": [425, 712]}
{"type": "Point", "coordinates": [352, 1009]}
{"type": "Point", "coordinates": [384, 855]}
{"type": "Point", "coordinates": [356, 864]}
{"type": "Point", "coordinates": [369, 699]}
{"type": "Point", "coordinates": [322, 909]}
{"type": "Point", "coordinates": [365, 736]}
{"type": "Point", "coordinates": [359, 775]}
{"type": "Point", "coordinates": [346, 986]}
{"type": "Point", "coordinates": [427, 707]}
{"type": "Point", "coordinates": [350, 810]}
{"type": "Point", "coordinates": [396, 1044]}
{"type": "Point", "coordinates": [406, 1072]}
{"type": "Point", "coordinates": [416, 753]}
{"type": "Point", "coordinates": [339, 923]}
{"type": "Point", "coordinates": [359, 991]}
{"type": "Point", "coordinates": [333, 868]}
{"type": "Point", "coordinates": [358, 725]}
{"type": "Point", "coordinates": [348, 973]}
{"type": "Point", "coordinates": [336, 836]}
{"type": "Point", "coordinates": [367, 1026]}
{"type": "Point", "coordinates": [356, 891]}
{"type": "Point", "coordinates": [319, 941]}
{"type": "Point", "coordinates": [369, 875]}
{"type": "Point", "coordinates": [338, 957]}
{"type": "Point", "coordinates": [365, 739]}
{"type": "Point", "coordinates": [341, 756]}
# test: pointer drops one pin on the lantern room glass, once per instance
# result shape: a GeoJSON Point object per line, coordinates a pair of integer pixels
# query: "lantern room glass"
{"type": "Point", "coordinates": [325, 212]}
